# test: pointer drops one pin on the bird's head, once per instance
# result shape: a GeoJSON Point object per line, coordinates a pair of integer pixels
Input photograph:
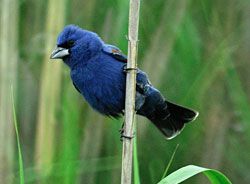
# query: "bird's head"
{"type": "Point", "coordinates": [76, 45]}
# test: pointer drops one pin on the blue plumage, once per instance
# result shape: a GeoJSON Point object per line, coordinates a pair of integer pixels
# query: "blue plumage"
{"type": "Point", "coordinates": [97, 72]}
{"type": "Point", "coordinates": [102, 85]}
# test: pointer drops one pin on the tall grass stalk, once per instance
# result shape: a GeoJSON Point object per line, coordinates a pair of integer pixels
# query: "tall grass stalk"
{"type": "Point", "coordinates": [134, 8]}
{"type": "Point", "coordinates": [50, 89]}
{"type": "Point", "coordinates": [8, 72]}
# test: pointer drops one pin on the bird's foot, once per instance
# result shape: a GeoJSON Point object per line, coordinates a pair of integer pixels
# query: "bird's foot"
{"type": "Point", "coordinates": [123, 136]}
{"type": "Point", "coordinates": [129, 137]}
{"type": "Point", "coordinates": [126, 69]}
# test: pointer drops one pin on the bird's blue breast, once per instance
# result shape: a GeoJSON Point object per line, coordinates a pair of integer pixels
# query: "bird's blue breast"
{"type": "Point", "coordinates": [102, 83]}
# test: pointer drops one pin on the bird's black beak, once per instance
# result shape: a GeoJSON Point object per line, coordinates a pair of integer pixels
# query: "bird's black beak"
{"type": "Point", "coordinates": [59, 53]}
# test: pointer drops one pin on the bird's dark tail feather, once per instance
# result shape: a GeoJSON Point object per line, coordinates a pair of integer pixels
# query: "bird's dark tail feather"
{"type": "Point", "coordinates": [170, 118]}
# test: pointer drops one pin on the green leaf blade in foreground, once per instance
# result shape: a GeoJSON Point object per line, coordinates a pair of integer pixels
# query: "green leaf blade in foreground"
{"type": "Point", "coordinates": [20, 157]}
{"type": "Point", "coordinates": [184, 173]}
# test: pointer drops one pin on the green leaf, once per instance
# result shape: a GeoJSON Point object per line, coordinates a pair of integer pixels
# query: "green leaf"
{"type": "Point", "coordinates": [184, 173]}
{"type": "Point", "coordinates": [20, 157]}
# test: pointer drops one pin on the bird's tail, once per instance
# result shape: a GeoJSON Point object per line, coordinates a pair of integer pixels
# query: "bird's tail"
{"type": "Point", "coordinates": [171, 118]}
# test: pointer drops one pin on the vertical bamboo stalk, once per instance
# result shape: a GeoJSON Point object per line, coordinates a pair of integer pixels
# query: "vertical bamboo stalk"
{"type": "Point", "coordinates": [130, 91]}
{"type": "Point", "coordinates": [50, 90]}
{"type": "Point", "coordinates": [8, 72]}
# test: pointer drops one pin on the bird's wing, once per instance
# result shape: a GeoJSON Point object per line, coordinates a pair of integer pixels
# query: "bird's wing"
{"type": "Point", "coordinates": [114, 52]}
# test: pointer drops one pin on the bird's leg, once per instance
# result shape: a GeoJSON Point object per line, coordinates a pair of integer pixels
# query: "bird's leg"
{"type": "Point", "coordinates": [123, 135]}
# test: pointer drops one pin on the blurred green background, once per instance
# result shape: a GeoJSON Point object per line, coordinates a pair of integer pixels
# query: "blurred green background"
{"type": "Point", "coordinates": [196, 51]}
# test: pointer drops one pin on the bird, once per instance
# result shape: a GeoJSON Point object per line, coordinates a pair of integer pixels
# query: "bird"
{"type": "Point", "coordinates": [98, 72]}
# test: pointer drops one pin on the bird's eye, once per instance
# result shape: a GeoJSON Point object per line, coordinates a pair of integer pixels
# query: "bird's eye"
{"type": "Point", "coordinates": [70, 43]}
{"type": "Point", "coordinates": [67, 44]}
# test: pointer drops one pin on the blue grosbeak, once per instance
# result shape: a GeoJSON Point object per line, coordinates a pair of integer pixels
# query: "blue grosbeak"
{"type": "Point", "coordinates": [97, 72]}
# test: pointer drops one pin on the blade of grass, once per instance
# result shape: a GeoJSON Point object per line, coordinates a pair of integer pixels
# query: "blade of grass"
{"type": "Point", "coordinates": [20, 157]}
{"type": "Point", "coordinates": [184, 173]}
{"type": "Point", "coordinates": [170, 162]}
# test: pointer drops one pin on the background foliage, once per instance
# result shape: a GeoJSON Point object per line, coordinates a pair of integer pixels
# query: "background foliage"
{"type": "Point", "coordinates": [195, 51]}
